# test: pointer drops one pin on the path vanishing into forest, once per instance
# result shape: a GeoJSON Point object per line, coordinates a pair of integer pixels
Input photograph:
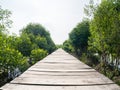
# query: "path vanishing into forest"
{"type": "Point", "coordinates": [61, 71]}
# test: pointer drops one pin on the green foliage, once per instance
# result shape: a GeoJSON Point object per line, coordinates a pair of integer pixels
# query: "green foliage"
{"type": "Point", "coordinates": [105, 36]}
{"type": "Point", "coordinates": [38, 54]}
{"type": "Point", "coordinates": [91, 8]}
{"type": "Point", "coordinates": [11, 59]}
{"type": "Point", "coordinates": [67, 46]}
{"type": "Point", "coordinates": [59, 46]}
{"type": "Point", "coordinates": [24, 45]}
{"type": "Point", "coordinates": [35, 29]}
{"type": "Point", "coordinates": [84, 59]}
{"type": "Point", "coordinates": [105, 30]}
{"type": "Point", "coordinates": [34, 42]}
{"type": "Point", "coordinates": [41, 42]}
{"type": "Point", "coordinates": [117, 80]}
{"type": "Point", "coordinates": [79, 37]}
{"type": "Point", "coordinates": [39, 36]}
{"type": "Point", "coordinates": [91, 60]}
{"type": "Point", "coordinates": [5, 22]}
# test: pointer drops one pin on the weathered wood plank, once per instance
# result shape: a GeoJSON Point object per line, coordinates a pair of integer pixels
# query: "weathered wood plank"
{"type": "Point", "coordinates": [61, 71]}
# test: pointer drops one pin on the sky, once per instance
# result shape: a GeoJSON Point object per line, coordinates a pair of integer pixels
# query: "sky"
{"type": "Point", "coordinates": [58, 17]}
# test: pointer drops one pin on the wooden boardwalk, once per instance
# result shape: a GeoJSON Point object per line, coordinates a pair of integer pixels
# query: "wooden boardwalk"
{"type": "Point", "coordinates": [61, 71]}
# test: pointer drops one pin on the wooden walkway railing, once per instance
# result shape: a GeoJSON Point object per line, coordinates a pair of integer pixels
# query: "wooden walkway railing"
{"type": "Point", "coordinates": [61, 71]}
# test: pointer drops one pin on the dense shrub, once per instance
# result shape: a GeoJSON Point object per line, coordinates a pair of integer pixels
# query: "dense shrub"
{"type": "Point", "coordinates": [38, 54]}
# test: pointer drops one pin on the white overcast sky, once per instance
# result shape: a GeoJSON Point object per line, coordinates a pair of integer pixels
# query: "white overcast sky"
{"type": "Point", "coordinates": [59, 17]}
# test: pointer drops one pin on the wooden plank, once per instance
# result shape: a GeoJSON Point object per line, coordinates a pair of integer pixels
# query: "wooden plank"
{"type": "Point", "coordinates": [61, 71]}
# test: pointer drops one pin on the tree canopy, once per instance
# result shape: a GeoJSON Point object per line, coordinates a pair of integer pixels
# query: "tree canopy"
{"type": "Point", "coordinates": [104, 28]}
{"type": "Point", "coordinates": [39, 36]}
{"type": "Point", "coordinates": [79, 36]}
{"type": "Point", "coordinates": [10, 57]}
{"type": "Point", "coordinates": [97, 41]}
{"type": "Point", "coordinates": [19, 52]}
{"type": "Point", "coordinates": [5, 22]}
